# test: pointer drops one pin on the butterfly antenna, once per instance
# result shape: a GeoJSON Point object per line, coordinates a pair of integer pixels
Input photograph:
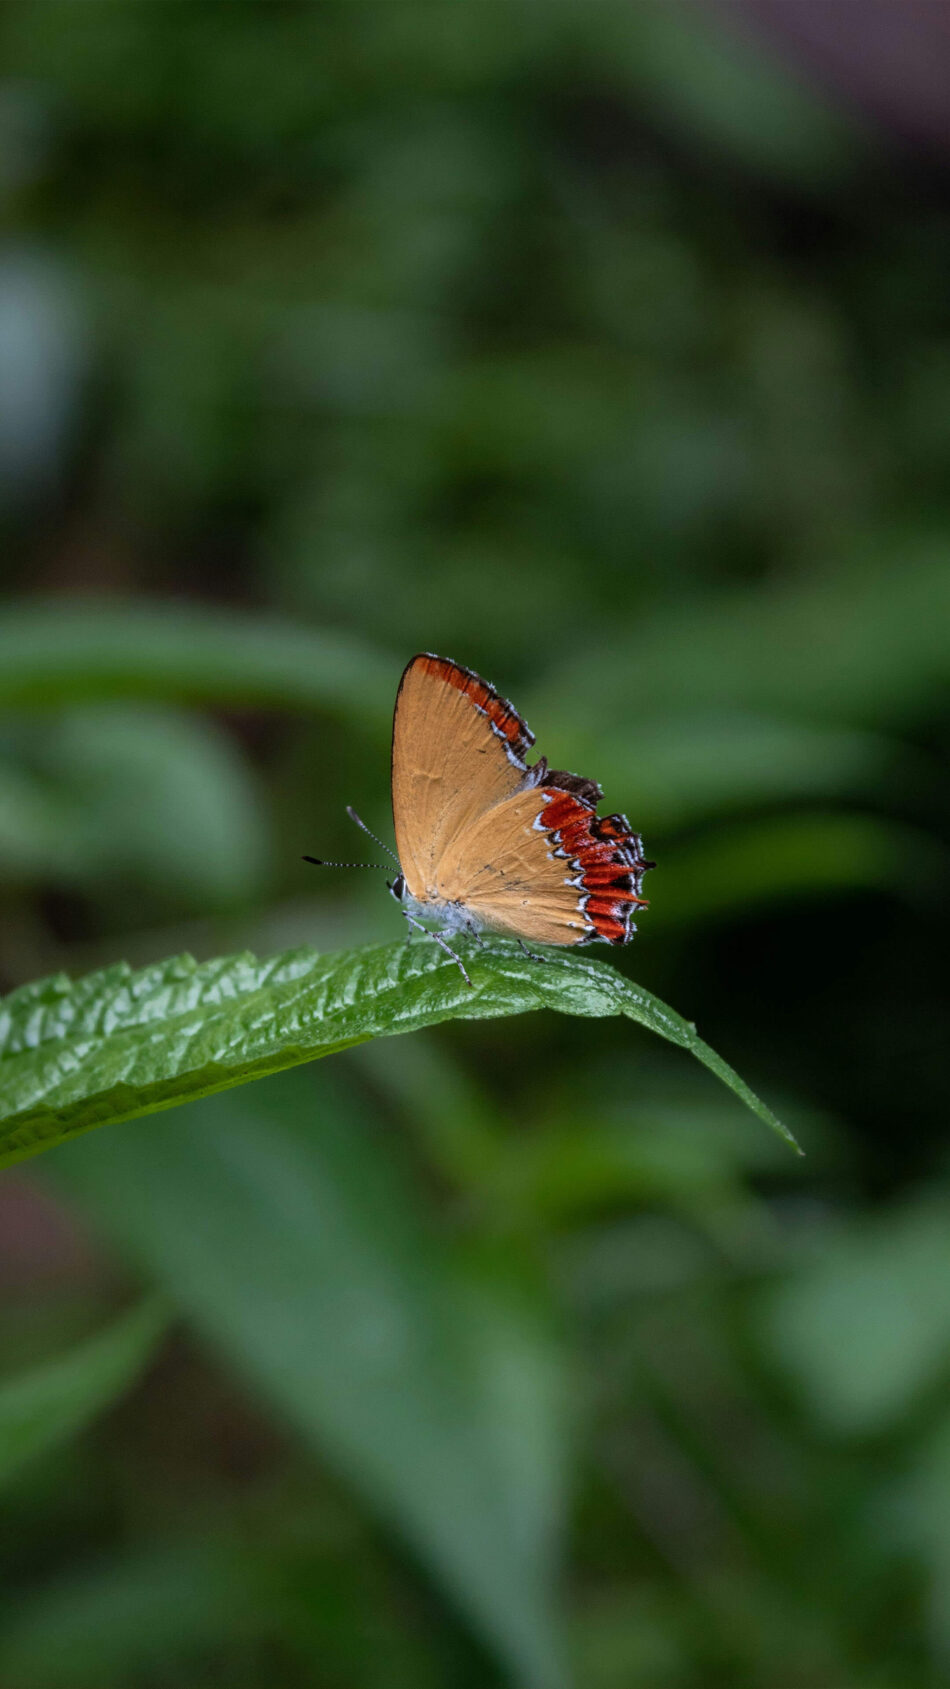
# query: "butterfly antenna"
{"type": "Point", "coordinates": [318, 862]}
{"type": "Point", "coordinates": [354, 817]}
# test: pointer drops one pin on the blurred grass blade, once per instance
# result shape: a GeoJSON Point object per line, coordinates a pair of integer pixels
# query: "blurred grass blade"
{"type": "Point", "coordinates": [35, 824]}
{"type": "Point", "coordinates": [120, 1043]}
{"type": "Point", "coordinates": [115, 1621]}
{"type": "Point", "coordinates": [772, 860]}
{"type": "Point", "coordinates": [54, 1401]}
{"type": "Point", "coordinates": [688, 766]}
{"type": "Point", "coordinates": [705, 78]}
{"type": "Point", "coordinates": [60, 653]}
{"type": "Point", "coordinates": [882, 654]}
{"type": "Point", "coordinates": [139, 796]}
{"type": "Point", "coordinates": [280, 1224]}
{"type": "Point", "coordinates": [864, 1325]}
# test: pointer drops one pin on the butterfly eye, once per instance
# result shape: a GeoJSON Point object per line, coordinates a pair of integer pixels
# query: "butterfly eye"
{"type": "Point", "coordinates": [397, 887]}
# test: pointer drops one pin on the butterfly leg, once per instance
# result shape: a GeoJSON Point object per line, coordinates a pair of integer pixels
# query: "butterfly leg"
{"type": "Point", "coordinates": [533, 954]}
{"type": "Point", "coordinates": [445, 946]}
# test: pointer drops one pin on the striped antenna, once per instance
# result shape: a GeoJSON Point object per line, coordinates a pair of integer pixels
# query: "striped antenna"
{"type": "Point", "coordinates": [318, 862]}
{"type": "Point", "coordinates": [351, 812]}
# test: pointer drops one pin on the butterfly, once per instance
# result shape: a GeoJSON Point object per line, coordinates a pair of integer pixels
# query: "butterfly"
{"type": "Point", "coordinates": [487, 841]}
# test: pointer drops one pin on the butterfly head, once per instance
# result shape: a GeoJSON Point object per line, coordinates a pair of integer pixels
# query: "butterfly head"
{"type": "Point", "coordinates": [397, 887]}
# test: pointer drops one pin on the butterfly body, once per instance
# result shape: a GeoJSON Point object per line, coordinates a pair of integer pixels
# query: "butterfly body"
{"type": "Point", "coordinates": [449, 917]}
{"type": "Point", "coordinates": [487, 842]}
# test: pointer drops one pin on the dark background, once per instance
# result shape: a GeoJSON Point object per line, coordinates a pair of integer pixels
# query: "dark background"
{"type": "Point", "coordinates": [605, 350]}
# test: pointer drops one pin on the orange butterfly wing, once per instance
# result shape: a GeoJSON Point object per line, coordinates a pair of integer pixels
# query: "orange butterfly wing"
{"type": "Point", "coordinates": [544, 867]}
{"type": "Point", "coordinates": [458, 749]}
{"type": "Point", "coordinates": [522, 849]}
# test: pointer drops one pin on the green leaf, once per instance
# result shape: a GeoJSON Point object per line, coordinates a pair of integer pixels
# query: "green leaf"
{"type": "Point", "coordinates": [120, 1043]}
{"type": "Point", "coordinates": [861, 642]}
{"type": "Point", "coordinates": [60, 653]}
{"type": "Point", "coordinates": [145, 797]}
{"type": "Point", "coordinates": [761, 862]}
{"type": "Point", "coordinates": [190, 1607]}
{"type": "Point", "coordinates": [54, 1401]}
{"type": "Point", "coordinates": [281, 1224]}
{"type": "Point", "coordinates": [684, 767]}
{"type": "Point", "coordinates": [35, 824]}
{"type": "Point", "coordinates": [704, 77]}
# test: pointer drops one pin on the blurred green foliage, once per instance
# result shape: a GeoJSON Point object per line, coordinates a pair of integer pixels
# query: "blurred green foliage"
{"type": "Point", "coordinates": [593, 348]}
